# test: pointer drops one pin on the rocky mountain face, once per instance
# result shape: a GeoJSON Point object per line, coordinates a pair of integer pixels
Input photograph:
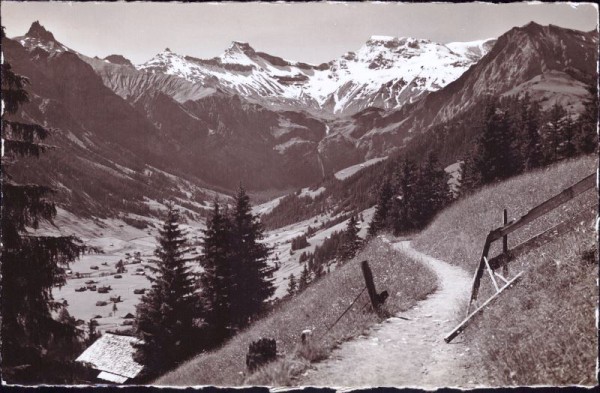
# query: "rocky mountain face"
{"type": "Point", "coordinates": [387, 72]}
{"type": "Point", "coordinates": [271, 123]}
{"type": "Point", "coordinates": [550, 63]}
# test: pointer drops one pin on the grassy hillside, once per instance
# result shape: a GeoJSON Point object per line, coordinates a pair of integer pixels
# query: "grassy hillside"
{"type": "Point", "coordinates": [542, 331]}
{"type": "Point", "coordinates": [315, 308]}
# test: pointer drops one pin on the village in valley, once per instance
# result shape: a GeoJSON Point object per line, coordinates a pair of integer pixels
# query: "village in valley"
{"type": "Point", "coordinates": [413, 213]}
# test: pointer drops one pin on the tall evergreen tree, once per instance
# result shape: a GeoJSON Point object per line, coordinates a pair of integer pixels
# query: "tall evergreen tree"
{"type": "Point", "coordinates": [166, 313]}
{"type": "Point", "coordinates": [432, 191]}
{"type": "Point", "coordinates": [351, 241]}
{"type": "Point", "coordinates": [253, 275]}
{"type": "Point", "coordinates": [587, 134]}
{"type": "Point", "coordinates": [404, 205]}
{"type": "Point", "coordinates": [304, 279]}
{"type": "Point", "coordinates": [217, 280]}
{"type": "Point", "coordinates": [31, 265]}
{"type": "Point", "coordinates": [382, 210]}
{"type": "Point", "coordinates": [531, 143]}
{"type": "Point", "coordinates": [495, 159]}
{"type": "Point", "coordinates": [292, 285]}
{"type": "Point", "coordinates": [553, 133]}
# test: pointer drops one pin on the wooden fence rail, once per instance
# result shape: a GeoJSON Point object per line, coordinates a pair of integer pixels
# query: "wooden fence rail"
{"type": "Point", "coordinates": [508, 228]}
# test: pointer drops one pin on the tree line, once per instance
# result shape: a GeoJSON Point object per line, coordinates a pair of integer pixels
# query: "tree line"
{"type": "Point", "coordinates": [410, 197]}
{"type": "Point", "coordinates": [341, 246]}
{"type": "Point", "coordinates": [516, 135]}
{"type": "Point", "coordinates": [183, 312]}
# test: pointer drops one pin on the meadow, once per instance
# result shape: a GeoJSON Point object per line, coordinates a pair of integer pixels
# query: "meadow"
{"type": "Point", "coordinates": [316, 308]}
{"type": "Point", "coordinates": [543, 330]}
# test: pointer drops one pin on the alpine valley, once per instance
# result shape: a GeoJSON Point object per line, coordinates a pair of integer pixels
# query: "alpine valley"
{"type": "Point", "coordinates": [289, 164]}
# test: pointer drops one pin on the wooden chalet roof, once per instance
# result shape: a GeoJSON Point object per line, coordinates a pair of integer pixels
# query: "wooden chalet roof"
{"type": "Point", "coordinates": [113, 354]}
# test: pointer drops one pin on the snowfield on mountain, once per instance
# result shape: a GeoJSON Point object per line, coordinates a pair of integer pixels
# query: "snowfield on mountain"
{"type": "Point", "coordinates": [386, 72]}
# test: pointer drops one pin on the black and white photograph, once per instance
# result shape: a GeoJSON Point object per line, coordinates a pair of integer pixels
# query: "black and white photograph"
{"type": "Point", "coordinates": [340, 195]}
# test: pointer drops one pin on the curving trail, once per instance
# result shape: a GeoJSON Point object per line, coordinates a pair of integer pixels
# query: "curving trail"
{"type": "Point", "coordinates": [408, 352]}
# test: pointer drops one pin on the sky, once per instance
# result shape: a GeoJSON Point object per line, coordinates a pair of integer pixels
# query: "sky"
{"type": "Point", "coordinates": [308, 32]}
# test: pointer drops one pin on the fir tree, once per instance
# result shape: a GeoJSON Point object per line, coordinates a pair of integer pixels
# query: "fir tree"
{"type": "Point", "coordinates": [292, 285]}
{"type": "Point", "coordinates": [165, 315]}
{"type": "Point", "coordinates": [432, 191]}
{"type": "Point", "coordinates": [351, 240]}
{"type": "Point", "coordinates": [217, 281]}
{"type": "Point", "coordinates": [404, 214]}
{"type": "Point", "coordinates": [553, 133]}
{"type": "Point", "coordinates": [31, 265]}
{"type": "Point", "coordinates": [304, 279]}
{"type": "Point", "coordinates": [531, 144]}
{"type": "Point", "coordinates": [252, 274]}
{"type": "Point", "coordinates": [587, 135]}
{"type": "Point", "coordinates": [382, 210]}
{"type": "Point", "coordinates": [92, 333]}
{"type": "Point", "coordinates": [495, 159]}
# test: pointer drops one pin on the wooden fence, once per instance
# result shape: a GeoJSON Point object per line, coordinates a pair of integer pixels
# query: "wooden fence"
{"type": "Point", "coordinates": [502, 232]}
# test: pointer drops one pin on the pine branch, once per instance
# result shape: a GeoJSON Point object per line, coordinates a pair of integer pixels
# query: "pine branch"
{"type": "Point", "coordinates": [26, 132]}
{"type": "Point", "coordinates": [24, 149]}
{"type": "Point", "coordinates": [25, 205]}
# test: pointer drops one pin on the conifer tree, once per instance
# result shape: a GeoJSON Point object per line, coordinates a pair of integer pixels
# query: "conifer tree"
{"type": "Point", "coordinates": [495, 159]}
{"type": "Point", "coordinates": [432, 191]}
{"type": "Point", "coordinates": [351, 240]}
{"type": "Point", "coordinates": [217, 281]}
{"type": "Point", "coordinates": [166, 313]}
{"type": "Point", "coordinates": [252, 274]}
{"type": "Point", "coordinates": [553, 133]}
{"type": "Point", "coordinates": [292, 285]}
{"type": "Point", "coordinates": [587, 135]}
{"type": "Point", "coordinates": [404, 214]}
{"type": "Point", "coordinates": [382, 210]}
{"type": "Point", "coordinates": [304, 279]}
{"type": "Point", "coordinates": [31, 265]}
{"type": "Point", "coordinates": [531, 145]}
{"type": "Point", "coordinates": [92, 333]}
{"type": "Point", "coordinates": [470, 178]}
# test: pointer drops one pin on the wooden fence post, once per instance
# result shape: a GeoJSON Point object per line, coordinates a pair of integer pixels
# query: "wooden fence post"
{"type": "Point", "coordinates": [505, 242]}
{"type": "Point", "coordinates": [370, 284]}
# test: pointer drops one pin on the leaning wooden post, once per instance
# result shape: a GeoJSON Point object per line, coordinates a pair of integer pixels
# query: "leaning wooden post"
{"type": "Point", "coordinates": [505, 243]}
{"type": "Point", "coordinates": [370, 284]}
{"type": "Point", "coordinates": [479, 271]}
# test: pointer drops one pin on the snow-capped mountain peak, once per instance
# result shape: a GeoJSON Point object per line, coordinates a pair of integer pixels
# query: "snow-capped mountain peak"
{"type": "Point", "coordinates": [38, 37]}
{"type": "Point", "coordinates": [386, 72]}
{"type": "Point", "coordinates": [238, 53]}
{"type": "Point", "coordinates": [472, 49]}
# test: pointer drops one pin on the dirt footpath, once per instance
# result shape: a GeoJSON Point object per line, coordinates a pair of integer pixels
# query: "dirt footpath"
{"type": "Point", "coordinates": [408, 352]}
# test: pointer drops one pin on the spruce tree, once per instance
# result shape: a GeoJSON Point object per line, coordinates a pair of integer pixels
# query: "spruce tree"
{"type": "Point", "coordinates": [587, 135]}
{"type": "Point", "coordinates": [252, 273]}
{"type": "Point", "coordinates": [166, 313]}
{"type": "Point", "coordinates": [531, 145]}
{"type": "Point", "coordinates": [31, 265]}
{"type": "Point", "coordinates": [292, 285]}
{"type": "Point", "coordinates": [553, 133]}
{"type": "Point", "coordinates": [217, 281]}
{"type": "Point", "coordinates": [432, 191]}
{"type": "Point", "coordinates": [405, 205]}
{"type": "Point", "coordinates": [351, 240]}
{"type": "Point", "coordinates": [495, 158]}
{"type": "Point", "coordinates": [382, 210]}
{"type": "Point", "coordinates": [304, 279]}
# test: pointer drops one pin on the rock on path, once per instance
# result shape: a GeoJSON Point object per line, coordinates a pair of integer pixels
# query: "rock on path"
{"type": "Point", "coordinates": [408, 352]}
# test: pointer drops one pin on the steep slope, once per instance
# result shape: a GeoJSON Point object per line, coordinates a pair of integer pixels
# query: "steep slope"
{"type": "Point", "coordinates": [108, 157]}
{"type": "Point", "coordinates": [548, 62]}
{"type": "Point", "coordinates": [199, 131]}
